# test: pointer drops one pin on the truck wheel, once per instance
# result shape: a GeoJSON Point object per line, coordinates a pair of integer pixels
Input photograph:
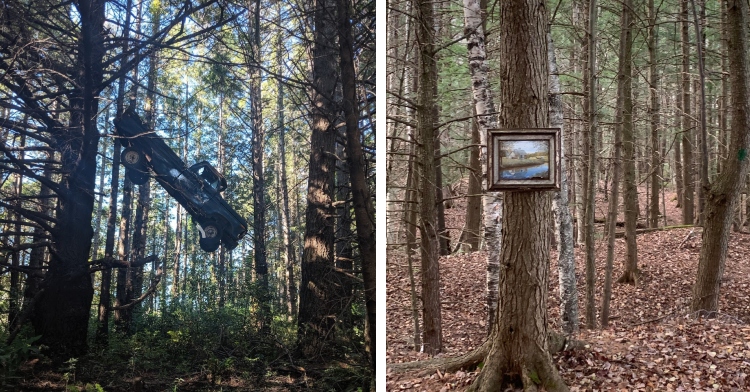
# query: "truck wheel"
{"type": "Point", "coordinates": [210, 237]}
{"type": "Point", "coordinates": [137, 177]}
{"type": "Point", "coordinates": [209, 244]}
{"type": "Point", "coordinates": [132, 159]}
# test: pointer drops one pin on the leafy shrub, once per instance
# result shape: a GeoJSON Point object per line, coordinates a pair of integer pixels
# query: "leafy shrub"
{"type": "Point", "coordinates": [13, 355]}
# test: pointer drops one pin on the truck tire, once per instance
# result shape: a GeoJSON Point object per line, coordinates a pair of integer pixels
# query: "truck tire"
{"type": "Point", "coordinates": [136, 176]}
{"type": "Point", "coordinates": [132, 159]}
{"type": "Point", "coordinates": [211, 237]}
{"type": "Point", "coordinates": [135, 165]}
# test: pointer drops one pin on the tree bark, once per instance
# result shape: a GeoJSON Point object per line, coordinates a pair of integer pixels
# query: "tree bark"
{"type": "Point", "coordinates": [486, 119]}
{"type": "Point", "coordinates": [364, 212]}
{"type": "Point", "coordinates": [590, 179]}
{"type": "Point", "coordinates": [519, 347]}
{"type": "Point", "coordinates": [430, 249]}
{"type": "Point", "coordinates": [470, 237]}
{"type": "Point", "coordinates": [630, 273]}
{"type": "Point", "coordinates": [61, 314]}
{"type": "Point", "coordinates": [258, 137]}
{"type": "Point", "coordinates": [288, 256]}
{"type": "Point", "coordinates": [702, 132]}
{"type": "Point", "coordinates": [688, 191]}
{"type": "Point", "coordinates": [654, 108]}
{"type": "Point", "coordinates": [723, 194]}
{"type": "Point", "coordinates": [623, 119]}
{"type": "Point", "coordinates": [319, 305]}
{"type": "Point", "coordinates": [563, 220]}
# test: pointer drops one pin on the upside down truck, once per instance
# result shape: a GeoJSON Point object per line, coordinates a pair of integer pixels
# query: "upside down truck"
{"type": "Point", "coordinates": [197, 188]}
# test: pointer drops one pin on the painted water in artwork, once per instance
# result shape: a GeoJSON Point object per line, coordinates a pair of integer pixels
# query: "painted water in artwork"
{"type": "Point", "coordinates": [524, 160]}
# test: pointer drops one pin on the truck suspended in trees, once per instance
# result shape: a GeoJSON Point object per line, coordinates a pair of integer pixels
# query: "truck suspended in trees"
{"type": "Point", "coordinates": [197, 188]}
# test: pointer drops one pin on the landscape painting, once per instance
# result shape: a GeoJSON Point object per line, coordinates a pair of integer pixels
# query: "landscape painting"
{"type": "Point", "coordinates": [524, 159]}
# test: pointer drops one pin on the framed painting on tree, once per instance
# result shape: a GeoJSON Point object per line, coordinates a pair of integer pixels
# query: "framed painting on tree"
{"type": "Point", "coordinates": [523, 159]}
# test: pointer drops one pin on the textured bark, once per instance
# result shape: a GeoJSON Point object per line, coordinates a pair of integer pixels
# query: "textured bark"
{"type": "Point", "coordinates": [563, 220]}
{"type": "Point", "coordinates": [288, 256]}
{"type": "Point", "coordinates": [431, 308]}
{"type": "Point", "coordinates": [724, 99]}
{"type": "Point", "coordinates": [61, 314]}
{"type": "Point", "coordinates": [443, 234]}
{"type": "Point", "coordinates": [99, 205]}
{"type": "Point", "coordinates": [701, 109]}
{"type": "Point", "coordinates": [134, 274]}
{"type": "Point", "coordinates": [678, 173]}
{"type": "Point", "coordinates": [580, 131]}
{"type": "Point", "coordinates": [654, 108]}
{"type": "Point", "coordinates": [688, 191]}
{"type": "Point", "coordinates": [590, 179]}
{"type": "Point", "coordinates": [39, 254]}
{"type": "Point", "coordinates": [623, 119]}
{"type": "Point", "coordinates": [319, 305]}
{"type": "Point", "coordinates": [14, 297]}
{"type": "Point", "coordinates": [722, 197]}
{"type": "Point", "coordinates": [519, 355]}
{"type": "Point", "coordinates": [470, 237]}
{"type": "Point", "coordinates": [259, 186]}
{"type": "Point", "coordinates": [410, 224]}
{"type": "Point", "coordinates": [630, 195]}
{"type": "Point", "coordinates": [102, 330]}
{"type": "Point", "coordinates": [486, 119]}
{"type": "Point", "coordinates": [364, 212]}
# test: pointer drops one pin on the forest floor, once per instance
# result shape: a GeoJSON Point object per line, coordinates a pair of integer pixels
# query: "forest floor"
{"type": "Point", "coordinates": [81, 377]}
{"type": "Point", "coordinates": [653, 343]}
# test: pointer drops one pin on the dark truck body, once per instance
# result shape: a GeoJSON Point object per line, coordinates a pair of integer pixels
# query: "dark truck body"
{"type": "Point", "coordinates": [197, 188]}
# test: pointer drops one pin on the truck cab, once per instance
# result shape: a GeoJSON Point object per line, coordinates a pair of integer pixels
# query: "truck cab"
{"type": "Point", "coordinates": [197, 188]}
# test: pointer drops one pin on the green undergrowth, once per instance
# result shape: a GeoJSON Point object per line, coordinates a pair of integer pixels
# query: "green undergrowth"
{"type": "Point", "coordinates": [187, 349]}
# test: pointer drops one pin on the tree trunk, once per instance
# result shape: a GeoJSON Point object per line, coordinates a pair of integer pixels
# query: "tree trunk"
{"type": "Point", "coordinates": [590, 179]}
{"type": "Point", "coordinates": [723, 100]}
{"type": "Point", "coordinates": [519, 345]}
{"type": "Point", "coordinates": [486, 119]}
{"type": "Point", "coordinates": [14, 299]}
{"type": "Point", "coordinates": [722, 196]}
{"type": "Point", "coordinates": [364, 212]}
{"type": "Point", "coordinates": [678, 172]}
{"type": "Point", "coordinates": [703, 130]}
{"type": "Point", "coordinates": [319, 305]}
{"type": "Point", "coordinates": [470, 237]}
{"type": "Point", "coordinates": [655, 107]}
{"type": "Point", "coordinates": [134, 279]}
{"type": "Point", "coordinates": [688, 191]}
{"type": "Point", "coordinates": [623, 119]}
{"type": "Point", "coordinates": [563, 221]}
{"type": "Point", "coordinates": [410, 224]}
{"type": "Point", "coordinates": [102, 331]}
{"type": "Point", "coordinates": [288, 256]}
{"type": "Point", "coordinates": [344, 237]}
{"type": "Point", "coordinates": [61, 314]}
{"type": "Point", "coordinates": [259, 188]}
{"type": "Point", "coordinates": [123, 252]}
{"type": "Point", "coordinates": [630, 273]}
{"type": "Point", "coordinates": [39, 254]}
{"type": "Point", "coordinates": [431, 308]}
{"type": "Point", "coordinates": [99, 205]}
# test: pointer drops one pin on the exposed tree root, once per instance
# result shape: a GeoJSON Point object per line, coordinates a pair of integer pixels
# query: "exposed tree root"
{"type": "Point", "coordinates": [556, 342]}
{"type": "Point", "coordinates": [537, 373]}
{"type": "Point", "coordinates": [451, 364]}
{"type": "Point", "coordinates": [630, 277]}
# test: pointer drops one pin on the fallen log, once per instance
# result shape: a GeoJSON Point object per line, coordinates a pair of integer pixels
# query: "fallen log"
{"type": "Point", "coordinates": [621, 234]}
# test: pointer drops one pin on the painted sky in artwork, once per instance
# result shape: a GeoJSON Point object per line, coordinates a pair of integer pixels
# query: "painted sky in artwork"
{"type": "Point", "coordinates": [527, 146]}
